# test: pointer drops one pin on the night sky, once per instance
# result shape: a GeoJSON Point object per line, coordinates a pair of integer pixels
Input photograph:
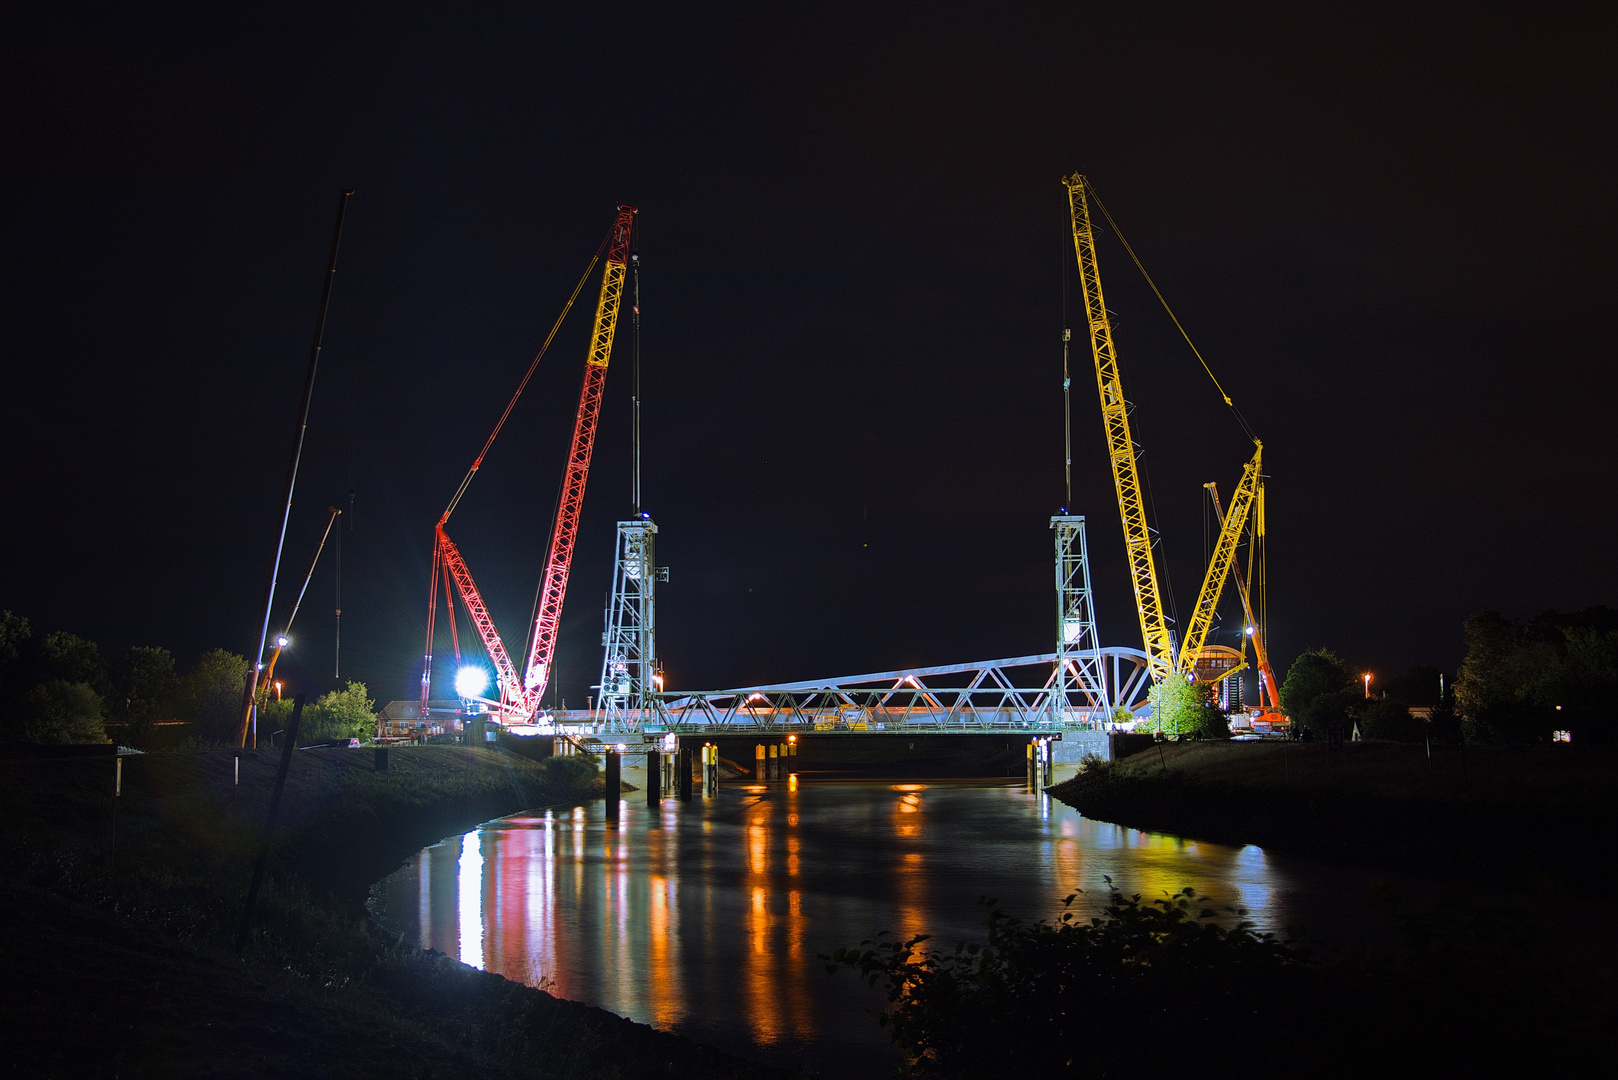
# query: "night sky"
{"type": "Point", "coordinates": [1390, 233]}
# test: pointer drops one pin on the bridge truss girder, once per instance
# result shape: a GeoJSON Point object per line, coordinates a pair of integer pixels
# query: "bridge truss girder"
{"type": "Point", "coordinates": [973, 698]}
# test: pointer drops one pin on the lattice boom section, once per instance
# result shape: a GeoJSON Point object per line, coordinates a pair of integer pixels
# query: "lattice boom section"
{"type": "Point", "coordinates": [510, 686]}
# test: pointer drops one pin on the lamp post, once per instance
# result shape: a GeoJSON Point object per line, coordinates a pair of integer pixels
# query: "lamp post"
{"type": "Point", "coordinates": [1367, 685]}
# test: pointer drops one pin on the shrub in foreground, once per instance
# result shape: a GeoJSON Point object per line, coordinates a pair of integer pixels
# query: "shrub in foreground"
{"type": "Point", "coordinates": [1164, 987]}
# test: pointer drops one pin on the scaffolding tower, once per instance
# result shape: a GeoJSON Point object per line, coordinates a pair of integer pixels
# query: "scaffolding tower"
{"type": "Point", "coordinates": [1079, 684]}
{"type": "Point", "coordinates": [630, 676]}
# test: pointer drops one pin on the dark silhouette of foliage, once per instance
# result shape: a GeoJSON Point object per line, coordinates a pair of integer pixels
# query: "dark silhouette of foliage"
{"type": "Point", "coordinates": [144, 689]}
{"type": "Point", "coordinates": [1522, 681]}
{"type": "Point", "coordinates": [1026, 1003]}
{"type": "Point", "coordinates": [58, 712]}
{"type": "Point", "coordinates": [1386, 718]}
{"type": "Point", "coordinates": [1318, 691]}
{"type": "Point", "coordinates": [210, 695]}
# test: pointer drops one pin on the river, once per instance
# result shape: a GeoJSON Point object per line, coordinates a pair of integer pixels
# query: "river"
{"type": "Point", "coordinates": [706, 918]}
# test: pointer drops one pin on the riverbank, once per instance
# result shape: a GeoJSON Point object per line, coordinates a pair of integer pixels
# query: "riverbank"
{"type": "Point", "coordinates": [1486, 814]}
{"type": "Point", "coordinates": [119, 931]}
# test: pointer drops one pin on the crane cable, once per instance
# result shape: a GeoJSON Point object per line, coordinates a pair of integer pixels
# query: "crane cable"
{"type": "Point", "coordinates": [466, 482]}
{"type": "Point", "coordinates": [1120, 234]}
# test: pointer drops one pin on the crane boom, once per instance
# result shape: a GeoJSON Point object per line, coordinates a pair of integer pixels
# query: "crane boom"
{"type": "Point", "coordinates": [1224, 557]}
{"type": "Point", "coordinates": [454, 569]}
{"type": "Point", "coordinates": [521, 692]}
{"type": "Point", "coordinates": [553, 587]}
{"type": "Point", "coordinates": [1155, 633]}
{"type": "Point", "coordinates": [1268, 696]}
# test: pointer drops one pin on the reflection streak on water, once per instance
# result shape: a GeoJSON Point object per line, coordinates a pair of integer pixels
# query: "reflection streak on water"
{"type": "Point", "coordinates": [708, 916]}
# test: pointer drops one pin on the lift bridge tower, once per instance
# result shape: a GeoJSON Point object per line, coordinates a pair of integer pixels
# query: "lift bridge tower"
{"type": "Point", "coordinates": [630, 675]}
{"type": "Point", "coordinates": [1078, 685]}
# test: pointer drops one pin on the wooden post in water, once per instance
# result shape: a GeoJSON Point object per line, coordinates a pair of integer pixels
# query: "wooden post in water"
{"type": "Point", "coordinates": [654, 778]}
{"type": "Point", "coordinates": [614, 776]}
{"type": "Point", "coordinates": [758, 762]}
{"type": "Point", "coordinates": [685, 774]}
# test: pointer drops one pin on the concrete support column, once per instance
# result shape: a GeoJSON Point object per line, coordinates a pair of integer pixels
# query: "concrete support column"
{"type": "Point", "coordinates": [654, 778]}
{"type": "Point", "coordinates": [758, 762]}
{"type": "Point", "coordinates": [685, 774]}
{"type": "Point", "coordinates": [614, 778]}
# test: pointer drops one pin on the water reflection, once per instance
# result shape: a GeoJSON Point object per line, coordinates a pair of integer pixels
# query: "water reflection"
{"type": "Point", "coordinates": [706, 917]}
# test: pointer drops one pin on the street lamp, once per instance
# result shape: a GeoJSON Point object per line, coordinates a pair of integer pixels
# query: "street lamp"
{"type": "Point", "coordinates": [1367, 684]}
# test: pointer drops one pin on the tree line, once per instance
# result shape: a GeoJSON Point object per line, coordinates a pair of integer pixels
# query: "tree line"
{"type": "Point", "coordinates": [57, 688]}
{"type": "Point", "coordinates": [1521, 681]}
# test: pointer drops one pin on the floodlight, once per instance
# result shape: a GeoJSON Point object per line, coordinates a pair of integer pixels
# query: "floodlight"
{"type": "Point", "coordinates": [281, 642]}
{"type": "Point", "coordinates": [471, 681]}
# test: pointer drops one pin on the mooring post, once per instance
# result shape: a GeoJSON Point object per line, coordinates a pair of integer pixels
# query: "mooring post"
{"type": "Point", "coordinates": [614, 778]}
{"type": "Point", "coordinates": [654, 778]}
{"type": "Point", "coordinates": [758, 763]}
{"type": "Point", "coordinates": [685, 774]}
{"type": "Point", "coordinates": [1031, 784]}
{"type": "Point", "coordinates": [710, 770]}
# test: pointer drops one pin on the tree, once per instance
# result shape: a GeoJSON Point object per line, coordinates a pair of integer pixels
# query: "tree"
{"type": "Point", "coordinates": [1386, 718]}
{"type": "Point", "coordinates": [1521, 681]}
{"type": "Point", "coordinates": [15, 638]}
{"type": "Point", "coordinates": [144, 687]}
{"type": "Point", "coordinates": [210, 695]}
{"type": "Point", "coordinates": [67, 657]}
{"type": "Point", "coordinates": [348, 713]}
{"type": "Point", "coordinates": [57, 712]}
{"type": "Point", "coordinates": [1418, 687]}
{"type": "Point", "coordinates": [1183, 707]}
{"type": "Point", "coordinates": [1318, 691]}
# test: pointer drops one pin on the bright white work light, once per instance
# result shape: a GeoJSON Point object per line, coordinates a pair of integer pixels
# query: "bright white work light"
{"type": "Point", "coordinates": [470, 682]}
{"type": "Point", "coordinates": [281, 642]}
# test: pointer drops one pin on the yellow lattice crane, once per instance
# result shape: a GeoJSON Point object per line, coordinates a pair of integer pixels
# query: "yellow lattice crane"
{"type": "Point", "coordinates": [1162, 657]}
{"type": "Point", "coordinates": [1154, 628]}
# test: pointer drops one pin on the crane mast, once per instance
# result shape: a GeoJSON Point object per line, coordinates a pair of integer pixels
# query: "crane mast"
{"type": "Point", "coordinates": [1154, 629]}
{"type": "Point", "coordinates": [521, 692]}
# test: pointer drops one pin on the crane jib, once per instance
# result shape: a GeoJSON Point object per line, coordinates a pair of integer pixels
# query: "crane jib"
{"type": "Point", "coordinates": [1156, 636]}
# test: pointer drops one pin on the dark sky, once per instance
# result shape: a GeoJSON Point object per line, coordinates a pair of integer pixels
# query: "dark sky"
{"type": "Point", "coordinates": [1389, 228]}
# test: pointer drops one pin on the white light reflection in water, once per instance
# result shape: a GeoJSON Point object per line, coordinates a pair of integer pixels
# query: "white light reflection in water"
{"type": "Point", "coordinates": [471, 897]}
{"type": "Point", "coordinates": [707, 917]}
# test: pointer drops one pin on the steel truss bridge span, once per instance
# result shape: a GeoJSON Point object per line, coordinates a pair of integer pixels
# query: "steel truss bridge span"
{"type": "Point", "coordinates": [978, 697]}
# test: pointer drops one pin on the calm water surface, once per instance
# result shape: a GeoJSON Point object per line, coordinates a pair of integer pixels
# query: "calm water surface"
{"type": "Point", "coordinates": [706, 917]}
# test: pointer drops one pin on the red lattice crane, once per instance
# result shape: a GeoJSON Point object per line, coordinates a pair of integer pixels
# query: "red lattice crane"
{"type": "Point", "coordinates": [521, 692]}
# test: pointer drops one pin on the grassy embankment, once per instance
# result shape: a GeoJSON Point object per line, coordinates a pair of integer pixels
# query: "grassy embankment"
{"type": "Point", "coordinates": [1525, 814]}
{"type": "Point", "coordinates": [121, 959]}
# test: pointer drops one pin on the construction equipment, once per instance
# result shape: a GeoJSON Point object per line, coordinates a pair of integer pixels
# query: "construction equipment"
{"type": "Point", "coordinates": [521, 692]}
{"type": "Point", "coordinates": [1163, 657]}
{"type": "Point", "coordinates": [1156, 637]}
{"type": "Point", "coordinates": [261, 689]}
{"type": "Point", "coordinates": [250, 690]}
{"type": "Point", "coordinates": [1269, 695]}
